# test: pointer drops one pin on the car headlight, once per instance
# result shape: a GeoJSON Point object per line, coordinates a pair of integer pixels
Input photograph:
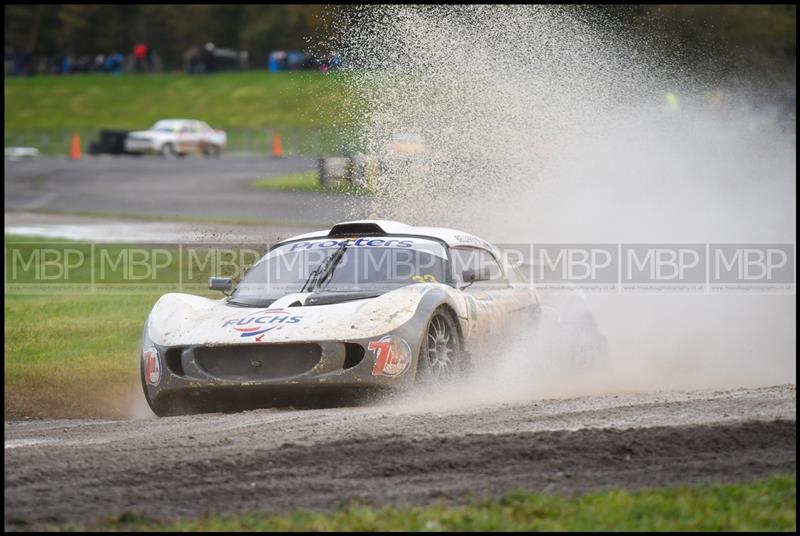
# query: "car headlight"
{"type": "Point", "coordinates": [151, 359]}
{"type": "Point", "coordinates": [152, 365]}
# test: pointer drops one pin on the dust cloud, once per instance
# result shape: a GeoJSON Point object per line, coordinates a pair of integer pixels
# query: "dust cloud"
{"type": "Point", "coordinates": [549, 124]}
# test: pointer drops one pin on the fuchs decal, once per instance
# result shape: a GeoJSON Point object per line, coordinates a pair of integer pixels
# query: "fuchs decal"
{"type": "Point", "coordinates": [257, 323]}
{"type": "Point", "coordinates": [392, 356]}
{"type": "Point", "coordinates": [152, 366]}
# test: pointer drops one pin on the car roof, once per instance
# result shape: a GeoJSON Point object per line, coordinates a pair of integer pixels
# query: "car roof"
{"type": "Point", "coordinates": [452, 237]}
{"type": "Point", "coordinates": [178, 121]}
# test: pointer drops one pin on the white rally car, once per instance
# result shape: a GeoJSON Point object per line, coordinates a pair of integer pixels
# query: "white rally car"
{"type": "Point", "coordinates": [366, 304]}
{"type": "Point", "coordinates": [177, 137]}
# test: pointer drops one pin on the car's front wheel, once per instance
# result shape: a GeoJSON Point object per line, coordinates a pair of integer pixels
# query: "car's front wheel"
{"type": "Point", "coordinates": [441, 355]}
{"type": "Point", "coordinates": [177, 405]}
{"type": "Point", "coordinates": [168, 406]}
{"type": "Point", "coordinates": [168, 150]}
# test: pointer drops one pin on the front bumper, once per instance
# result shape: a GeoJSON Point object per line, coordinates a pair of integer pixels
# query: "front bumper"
{"type": "Point", "coordinates": [279, 367]}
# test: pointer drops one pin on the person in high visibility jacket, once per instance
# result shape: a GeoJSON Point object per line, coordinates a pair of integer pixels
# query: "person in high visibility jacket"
{"type": "Point", "coordinates": [671, 103]}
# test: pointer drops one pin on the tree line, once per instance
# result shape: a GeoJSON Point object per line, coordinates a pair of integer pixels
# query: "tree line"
{"type": "Point", "coordinates": [170, 30]}
{"type": "Point", "coordinates": [758, 40]}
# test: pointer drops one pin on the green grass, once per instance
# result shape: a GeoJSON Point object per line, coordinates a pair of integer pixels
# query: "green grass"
{"type": "Point", "coordinates": [765, 505]}
{"type": "Point", "coordinates": [71, 344]}
{"type": "Point", "coordinates": [312, 111]}
{"type": "Point", "coordinates": [307, 181]}
{"type": "Point", "coordinates": [248, 99]}
{"type": "Point", "coordinates": [72, 356]}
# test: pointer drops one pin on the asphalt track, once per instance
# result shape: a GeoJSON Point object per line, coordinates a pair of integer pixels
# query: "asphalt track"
{"type": "Point", "coordinates": [413, 451]}
{"type": "Point", "coordinates": [191, 187]}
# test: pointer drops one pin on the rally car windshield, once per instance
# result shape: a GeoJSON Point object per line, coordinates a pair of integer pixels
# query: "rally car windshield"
{"type": "Point", "coordinates": [367, 265]}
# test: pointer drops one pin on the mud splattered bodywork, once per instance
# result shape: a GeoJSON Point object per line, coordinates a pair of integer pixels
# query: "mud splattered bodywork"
{"type": "Point", "coordinates": [355, 330]}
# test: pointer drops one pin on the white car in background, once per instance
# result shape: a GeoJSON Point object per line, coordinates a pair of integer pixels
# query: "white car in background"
{"type": "Point", "coordinates": [177, 137]}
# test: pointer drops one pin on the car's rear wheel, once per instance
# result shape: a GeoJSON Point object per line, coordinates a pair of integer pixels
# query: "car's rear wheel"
{"type": "Point", "coordinates": [441, 355]}
{"type": "Point", "coordinates": [212, 150]}
{"type": "Point", "coordinates": [589, 348]}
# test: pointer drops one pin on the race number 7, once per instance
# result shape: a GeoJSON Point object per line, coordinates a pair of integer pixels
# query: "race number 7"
{"type": "Point", "coordinates": [383, 355]}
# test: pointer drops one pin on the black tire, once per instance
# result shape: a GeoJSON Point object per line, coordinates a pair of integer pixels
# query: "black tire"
{"type": "Point", "coordinates": [212, 150]}
{"type": "Point", "coordinates": [169, 407]}
{"type": "Point", "coordinates": [160, 409]}
{"type": "Point", "coordinates": [176, 406]}
{"type": "Point", "coordinates": [589, 347]}
{"type": "Point", "coordinates": [168, 150]}
{"type": "Point", "coordinates": [581, 343]}
{"type": "Point", "coordinates": [441, 355]}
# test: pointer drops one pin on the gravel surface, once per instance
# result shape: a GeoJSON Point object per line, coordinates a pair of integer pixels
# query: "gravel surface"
{"type": "Point", "coordinates": [399, 452]}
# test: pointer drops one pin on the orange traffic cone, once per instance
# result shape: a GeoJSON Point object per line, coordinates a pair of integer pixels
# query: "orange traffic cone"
{"type": "Point", "coordinates": [277, 149]}
{"type": "Point", "coordinates": [75, 147]}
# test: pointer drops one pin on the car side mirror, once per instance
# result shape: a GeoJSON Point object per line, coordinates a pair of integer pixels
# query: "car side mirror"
{"type": "Point", "coordinates": [223, 284]}
{"type": "Point", "coordinates": [471, 276]}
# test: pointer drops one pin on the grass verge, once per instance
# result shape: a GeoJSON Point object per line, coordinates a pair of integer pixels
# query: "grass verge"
{"type": "Point", "coordinates": [72, 356]}
{"type": "Point", "coordinates": [768, 504]}
{"type": "Point", "coordinates": [227, 100]}
{"type": "Point", "coordinates": [74, 314]}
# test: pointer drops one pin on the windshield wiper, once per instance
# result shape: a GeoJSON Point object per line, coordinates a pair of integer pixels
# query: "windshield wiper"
{"type": "Point", "coordinates": [324, 270]}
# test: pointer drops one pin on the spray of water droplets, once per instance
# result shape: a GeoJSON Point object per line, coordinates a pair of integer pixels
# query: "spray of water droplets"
{"type": "Point", "coordinates": [547, 123]}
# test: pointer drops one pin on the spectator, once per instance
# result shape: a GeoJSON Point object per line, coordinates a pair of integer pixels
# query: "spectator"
{"type": "Point", "coordinates": [114, 63]}
{"type": "Point", "coordinates": [295, 60]}
{"type": "Point", "coordinates": [208, 57]}
{"type": "Point", "coordinates": [141, 57]}
{"type": "Point", "coordinates": [276, 61]}
{"type": "Point", "coordinates": [65, 64]}
{"type": "Point", "coordinates": [84, 64]}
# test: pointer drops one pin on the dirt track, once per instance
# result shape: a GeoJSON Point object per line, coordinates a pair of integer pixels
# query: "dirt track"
{"type": "Point", "coordinates": [399, 453]}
